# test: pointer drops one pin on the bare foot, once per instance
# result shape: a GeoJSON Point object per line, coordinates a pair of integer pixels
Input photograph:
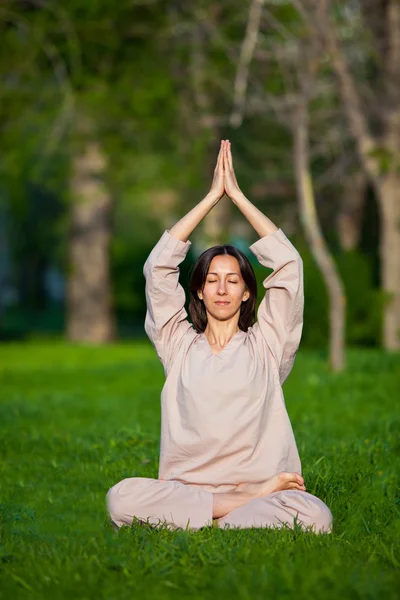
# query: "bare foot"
{"type": "Point", "coordinates": [277, 483]}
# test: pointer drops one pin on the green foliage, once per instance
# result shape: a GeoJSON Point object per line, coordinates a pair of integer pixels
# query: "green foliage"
{"type": "Point", "coordinates": [365, 303]}
{"type": "Point", "coordinates": [364, 306]}
{"type": "Point", "coordinates": [387, 160]}
{"type": "Point", "coordinates": [127, 261]}
{"type": "Point", "coordinates": [74, 421]}
{"type": "Point", "coordinates": [128, 68]}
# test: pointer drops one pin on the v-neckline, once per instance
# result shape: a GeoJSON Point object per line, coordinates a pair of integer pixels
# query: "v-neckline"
{"type": "Point", "coordinates": [203, 335]}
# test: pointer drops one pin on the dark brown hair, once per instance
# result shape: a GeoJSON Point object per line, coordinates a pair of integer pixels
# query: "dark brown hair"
{"type": "Point", "coordinates": [198, 275]}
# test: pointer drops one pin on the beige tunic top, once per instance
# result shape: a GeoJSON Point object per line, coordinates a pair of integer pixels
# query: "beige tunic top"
{"type": "Point", "coordinates": [223, 416]}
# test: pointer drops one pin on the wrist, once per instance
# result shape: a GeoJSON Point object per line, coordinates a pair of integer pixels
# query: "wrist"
{"type": "Point", "coordinates": [213, 198]}
{"type": "Point", "coordinates": [238, 198]}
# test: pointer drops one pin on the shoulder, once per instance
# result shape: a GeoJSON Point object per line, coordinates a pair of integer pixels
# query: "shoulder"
{"type": "Point", "coordinates": [258, 340]}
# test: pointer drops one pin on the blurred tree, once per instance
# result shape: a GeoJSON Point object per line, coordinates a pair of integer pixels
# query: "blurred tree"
{"type": "Point", "coordinates": [79, 79]}
{"type": "Point", "coordinates": [89, 303]}
{"type": "Point", "coordinates": [113, 113]}
{"type": "Point", "coordinates": [350, 213]}
{"type": "Point", "coordinates": [31, 112]}
{"type": "Point", "coordinates": [372, 25]}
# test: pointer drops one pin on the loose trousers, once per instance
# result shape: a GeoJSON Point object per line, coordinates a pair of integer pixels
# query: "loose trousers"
{"type": "Point", "coordinates": [182, 505]}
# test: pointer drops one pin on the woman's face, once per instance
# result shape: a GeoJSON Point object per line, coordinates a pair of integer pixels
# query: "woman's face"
{"type": "Point", "coordinates": [224, 283]}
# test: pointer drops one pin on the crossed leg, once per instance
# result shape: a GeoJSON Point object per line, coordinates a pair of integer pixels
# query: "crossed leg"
{"type": "Point", "coordinates": [279, 508]}
{"type": "Point", "coordinates": [155, 501]}
{"type": "Point", "coordinates": [180, 506]}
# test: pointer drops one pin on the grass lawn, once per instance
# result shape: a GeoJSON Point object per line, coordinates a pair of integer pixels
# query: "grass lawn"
{"type": "Point", "coordinates": [74, 421]}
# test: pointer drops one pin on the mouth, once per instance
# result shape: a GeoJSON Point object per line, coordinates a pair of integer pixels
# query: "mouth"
{"type": "Point", "coordinates": [222, 303]}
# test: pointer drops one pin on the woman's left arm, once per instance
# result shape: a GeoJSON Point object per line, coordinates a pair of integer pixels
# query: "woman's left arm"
{"type": "Point", "coordinates": [280, 314]}
{"type": "Point", "coordinates": [255, 217]}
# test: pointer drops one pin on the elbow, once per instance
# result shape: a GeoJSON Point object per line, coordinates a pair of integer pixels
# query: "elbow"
{"type": "Point", "coordinates": [147, 268]}
{"type": "Point", "coordinates": [297, 275]}
{"type": "Point", "coordinates": [297, 262]}
{"type": "Point", "coordinates": [293, 266]}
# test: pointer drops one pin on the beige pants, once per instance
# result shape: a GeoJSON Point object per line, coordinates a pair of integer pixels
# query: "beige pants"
{"type": "Point", "coordinates": [180, 505]}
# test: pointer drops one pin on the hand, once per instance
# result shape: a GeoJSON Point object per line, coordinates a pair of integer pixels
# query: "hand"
{"type": "Point", "coordinates": [218, 186]}
{"type": "Point", "coordinates": [232, 188]}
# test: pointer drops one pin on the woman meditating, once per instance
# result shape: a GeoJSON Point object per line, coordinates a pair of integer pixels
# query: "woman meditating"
{"type": "Point", "coordinates": [227, 446]}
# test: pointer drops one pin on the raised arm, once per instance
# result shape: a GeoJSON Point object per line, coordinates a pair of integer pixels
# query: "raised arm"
{"type": "Point", "coordinates": [280, 314]}
{"type": "Point", "coordinates": [166, 318]}
{"type": "Point", "coordinates": [183, 228]}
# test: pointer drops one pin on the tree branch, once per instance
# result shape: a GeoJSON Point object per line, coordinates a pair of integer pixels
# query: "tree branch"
{"type": "Point", "coordinates": [358, 123]}
{"type": "Point", "coordinates": [246, 54]}
{"type": "Point", "coordinates": [392, 78]}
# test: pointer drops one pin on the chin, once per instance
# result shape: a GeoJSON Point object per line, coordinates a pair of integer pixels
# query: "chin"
{"type": "Point", "coordinates": [223, 315]}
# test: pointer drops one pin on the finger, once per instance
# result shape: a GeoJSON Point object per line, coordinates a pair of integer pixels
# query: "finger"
{"type": "Point", "coordinates": [296, 486]}
{"type": "Point", "coordinates": [220, 155]}
{"type": "Point", "coordinates": [226, 162]}
{"type": "Point", "coordinates": [223, 156]}
{"type": "Point", "coordinates": [230, 160]}
{"type": "Point", "coordinates": [295, 477]}
{"type": "Point", "coordinates": [227, 155]}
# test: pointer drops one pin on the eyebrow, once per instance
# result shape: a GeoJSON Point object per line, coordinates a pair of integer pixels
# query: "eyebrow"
{"type": "Point", "coordinates": [212, 273]}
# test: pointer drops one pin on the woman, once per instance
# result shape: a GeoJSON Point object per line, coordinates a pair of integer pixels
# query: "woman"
{"type": "Point", "coordinates": [227, 447]}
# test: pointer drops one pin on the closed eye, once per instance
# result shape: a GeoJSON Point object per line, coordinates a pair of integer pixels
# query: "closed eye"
{"type": "Point", "coordinates": [214, 280]}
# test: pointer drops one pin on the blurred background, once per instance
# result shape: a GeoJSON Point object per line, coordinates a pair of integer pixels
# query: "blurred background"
{"type": "Point", "coordinates": [111, 116]}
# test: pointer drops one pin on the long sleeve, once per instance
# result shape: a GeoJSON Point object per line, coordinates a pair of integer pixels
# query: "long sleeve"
{"type": "Point", "coordinates": [280, 313]}
{"type": "Point", "coordinates": [166, 318]}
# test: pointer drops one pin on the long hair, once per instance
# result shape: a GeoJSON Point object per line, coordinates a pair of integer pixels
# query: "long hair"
{"type": "Point", "coordinates": [198, 275]}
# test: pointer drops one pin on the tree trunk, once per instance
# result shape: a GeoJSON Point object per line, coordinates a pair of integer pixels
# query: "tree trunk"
{"type": "Point", "coordinates": [313, 233]}
{"type": "Point", "coordinates": [90, 316]}
{"type": "Point", "coordinates": [389, 198]}
{"type": "Point", "coordinates": [349, 217]}
{"type": "Point", "coordinates": [373, 148]}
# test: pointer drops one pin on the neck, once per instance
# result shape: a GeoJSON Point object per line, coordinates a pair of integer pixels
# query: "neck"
{"type": "Point", "coordinates": [220, 333]}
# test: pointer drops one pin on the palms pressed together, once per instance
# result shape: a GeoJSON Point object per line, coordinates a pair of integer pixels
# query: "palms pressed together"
{"type": "Point", "coordinates": [224, 181]}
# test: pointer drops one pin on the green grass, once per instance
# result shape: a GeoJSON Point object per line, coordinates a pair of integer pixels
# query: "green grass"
{"type": "Point", "coordinates": [74, 421]}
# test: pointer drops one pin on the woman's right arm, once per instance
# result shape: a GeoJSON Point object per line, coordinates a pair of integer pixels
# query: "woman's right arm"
{"type": "Point", "coordinates": [166, 318]}
{"type": "Point", "coordinates": [184, 228]}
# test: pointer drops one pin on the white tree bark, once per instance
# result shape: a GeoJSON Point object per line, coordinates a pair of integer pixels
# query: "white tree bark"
{"type": "Point", "coordinates": [318, 246]}
{"type": "Point", "coordinates": [389, 196]}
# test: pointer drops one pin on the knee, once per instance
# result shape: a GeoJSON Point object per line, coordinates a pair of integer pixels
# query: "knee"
{"type": "Point", "coordinates": [114, 504]}
{"type": "Point", "coordinates": [307, 510]}
{"type": "Point", "coordinates": [120, 500]}
{"type": "Point", "coordinates": [319, 516]}
{"type": "Point", "coordinates": [325, 522]}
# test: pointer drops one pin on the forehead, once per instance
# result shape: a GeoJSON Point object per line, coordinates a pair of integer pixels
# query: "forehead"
{"type": "Point", "coordinates": [224, 263]}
